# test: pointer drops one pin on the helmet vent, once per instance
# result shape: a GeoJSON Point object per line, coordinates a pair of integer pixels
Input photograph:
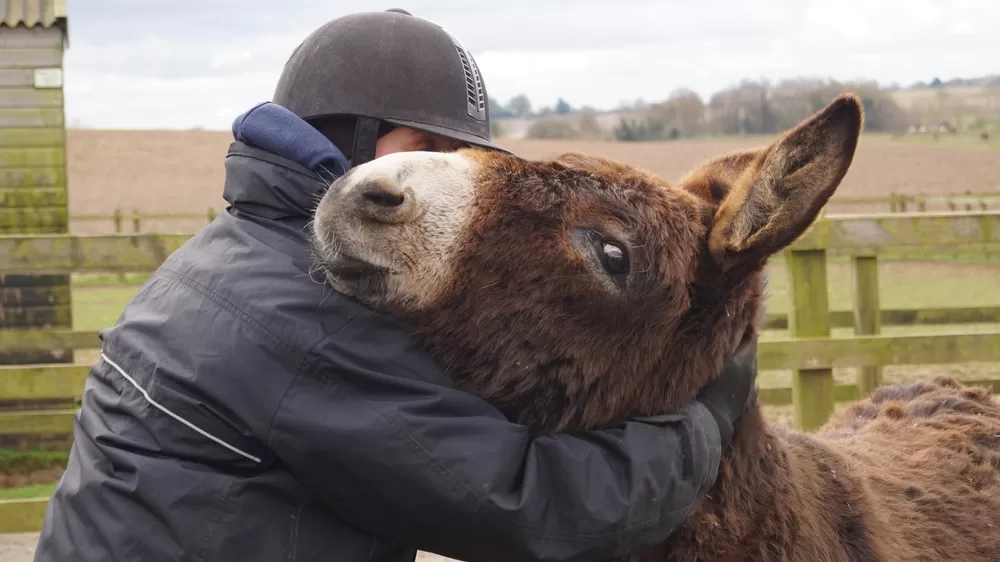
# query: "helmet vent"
{"type": "Point", "coordinates": [473, 85]}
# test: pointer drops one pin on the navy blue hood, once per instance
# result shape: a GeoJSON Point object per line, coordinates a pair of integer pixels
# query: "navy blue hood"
{"type": "Point", "coordinates": [273, 128]}
{"type": "Point", "coordinates": [279, 166]}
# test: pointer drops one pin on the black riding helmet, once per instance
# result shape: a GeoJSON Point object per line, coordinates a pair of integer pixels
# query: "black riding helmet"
{"type": "Point", "coordinates": [357, 76]}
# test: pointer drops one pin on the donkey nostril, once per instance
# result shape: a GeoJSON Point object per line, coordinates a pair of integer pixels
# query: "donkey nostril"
{"type": "Point", "coordinates": [382, 197]}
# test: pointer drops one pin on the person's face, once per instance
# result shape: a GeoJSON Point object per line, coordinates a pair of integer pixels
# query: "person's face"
{"type": "Point", "coordinates": [405, 139]}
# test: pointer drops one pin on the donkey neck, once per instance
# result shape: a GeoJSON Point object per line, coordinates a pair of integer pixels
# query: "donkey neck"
{"type": "Point", "coordinates": [779, 496]}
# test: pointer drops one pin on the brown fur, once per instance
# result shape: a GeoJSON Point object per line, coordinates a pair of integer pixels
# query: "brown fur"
{"type": "Point", "coordinates": [909, 474]}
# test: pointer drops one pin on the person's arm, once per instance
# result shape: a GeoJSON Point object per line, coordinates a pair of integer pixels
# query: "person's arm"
{"type": "Point", "coordinates": [425, 464]}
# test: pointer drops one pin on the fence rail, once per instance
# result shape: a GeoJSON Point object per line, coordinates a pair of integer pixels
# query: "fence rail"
{"type": "Point", "coordinates": [12, 340]}
{"type": "Point", "coordinates": [893, 203]}
{"type": "Point", "coordinates": [63, 382]}
{"type": "Point", "coordinates": [22, 516]}
{"type": "Point", "coordinates": [119, 216]}
{"type": "Point", "coordinates": [902, 203]}
{"type": "Point", "coordinates": [838, 235]}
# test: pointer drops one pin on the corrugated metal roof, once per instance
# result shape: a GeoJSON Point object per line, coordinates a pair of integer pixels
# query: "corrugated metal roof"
{"type": "Point", "coordinates": [30, 13]}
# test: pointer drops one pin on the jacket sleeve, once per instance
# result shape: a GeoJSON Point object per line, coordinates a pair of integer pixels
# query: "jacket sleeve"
{"type": "Point", "coordinates": [375, 429]}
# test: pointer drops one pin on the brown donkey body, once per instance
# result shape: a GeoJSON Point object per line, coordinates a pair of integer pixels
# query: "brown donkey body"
{"type": "Point", "coordinates": [579, 292]}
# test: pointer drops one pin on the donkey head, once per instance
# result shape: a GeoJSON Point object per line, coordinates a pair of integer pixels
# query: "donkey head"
{"type": "Point", "coordinates": [576, 292]}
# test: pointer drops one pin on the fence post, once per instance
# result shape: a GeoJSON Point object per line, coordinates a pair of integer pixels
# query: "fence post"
{"type": "Point", "coordinates": [809, 317]}
{"type": "Point", "coordinates": [118, 216]}
{"type": "Point", "coordinates": [136, 221]}
{"type": "Point", "coordinates": [867, 315]}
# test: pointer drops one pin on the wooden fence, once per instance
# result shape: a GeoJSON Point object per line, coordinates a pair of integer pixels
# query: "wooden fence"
{"type": "Point", "coordinates": [810, 351]}
{"type": "Point", "coordinates": [903, 203]}
{"type": "Point", "coordinates": [118, 218]}
{"type": "Point", "coordinates": [894, 203]}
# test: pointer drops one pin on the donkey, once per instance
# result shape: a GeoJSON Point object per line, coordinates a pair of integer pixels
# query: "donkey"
{"type": "Point", "coordinates": [580, 292]}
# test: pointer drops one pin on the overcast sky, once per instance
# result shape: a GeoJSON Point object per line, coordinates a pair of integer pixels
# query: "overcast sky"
{"type": "Point", "coordinates": [199, 63]}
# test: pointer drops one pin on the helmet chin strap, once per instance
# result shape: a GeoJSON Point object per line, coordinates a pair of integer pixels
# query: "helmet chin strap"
{"type": "Point", "coordinates": [365, 138]}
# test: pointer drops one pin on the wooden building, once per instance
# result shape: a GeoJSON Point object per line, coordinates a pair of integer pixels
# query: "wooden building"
{"type": "Point", "coordinates": [33, 187]}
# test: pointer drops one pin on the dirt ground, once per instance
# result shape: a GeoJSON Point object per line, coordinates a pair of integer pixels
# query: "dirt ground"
{"type": "Point", "coordinates": [21, 548]}
{"type": "Point", "coordinates": [183, 171]}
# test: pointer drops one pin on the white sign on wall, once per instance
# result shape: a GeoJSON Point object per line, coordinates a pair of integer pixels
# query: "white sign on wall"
{"type": "Point", "coordinates": [48, 78]}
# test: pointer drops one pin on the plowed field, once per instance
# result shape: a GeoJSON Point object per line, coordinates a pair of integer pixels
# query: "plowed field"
{"type": "Point", "coordinates": [183, 171]}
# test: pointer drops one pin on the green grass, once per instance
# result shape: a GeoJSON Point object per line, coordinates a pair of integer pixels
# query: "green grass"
{"type": "Point", "coordinates": [106, 280]}
{"type": "Point", "coordinates": [27, 461]}
{"type": "Point", "coordinates": [28, 492]}
{"type": "Point", "coordinates": [954, 140]}
{"type": "Point", "coordinates": [95, 308]}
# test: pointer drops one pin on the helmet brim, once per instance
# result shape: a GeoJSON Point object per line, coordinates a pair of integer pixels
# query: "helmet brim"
{"type": "Point", "coordinates": [460, 136]}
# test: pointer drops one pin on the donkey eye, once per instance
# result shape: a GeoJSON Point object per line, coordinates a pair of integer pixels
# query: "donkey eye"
{"type": "Point", "coordinates": [614, 258]}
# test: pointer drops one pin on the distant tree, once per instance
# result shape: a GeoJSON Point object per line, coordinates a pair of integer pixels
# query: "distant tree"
{"type": "Point", "coordinates": [742, 109]}
{"type": "Point", "coordinates": [625, 132]}
{"type": "Point", "coordinates": [882, 112]}
{"type": "Point", "coordinates": [562, 107]}
{"type": "Point", "coordinates": [681, 115]}
{"type": "Point", "coordinates": [520, 106]}
{"type": "Point", "coordinates": [588, 125]}
{"type": "Point", "coordinates": [498, 111]}
{"type": "Point", "coordinates": [644, 129]}
{"type": "Point", "coordinates": [758, 106]}
{"type": "Point", "coordinates": [552, 128]}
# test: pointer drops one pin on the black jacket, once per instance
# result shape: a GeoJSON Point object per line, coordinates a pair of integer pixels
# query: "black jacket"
{"type": "Point", "coordinates": [241, 411]}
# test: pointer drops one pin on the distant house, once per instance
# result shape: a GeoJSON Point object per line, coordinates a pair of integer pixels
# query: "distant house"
{"type": "Point", "coordinates": [945, 127]}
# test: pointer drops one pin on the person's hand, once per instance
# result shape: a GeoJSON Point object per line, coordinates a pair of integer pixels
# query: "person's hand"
{"type": "Point", "coordinates": [731, 395]}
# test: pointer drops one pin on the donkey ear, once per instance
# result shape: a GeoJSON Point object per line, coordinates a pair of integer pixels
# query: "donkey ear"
{"type": "Point", "coordinates": [775, 194]}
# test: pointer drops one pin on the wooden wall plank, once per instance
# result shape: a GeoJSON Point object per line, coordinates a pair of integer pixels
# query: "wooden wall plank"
{"type": "Point", "coordinates": [16, 77]}
{"type": "Point", "coordinates": [36, 137]}
{"type": "Point", "coordinates": [31, 117]}
{"type": "Point", "coordinates": [31, 58]}
{"type": "Point", "coordinates": [32, 158]}
{"type": "Point", "coordinates": [30, 98]}
{"type": "Point", "coordinates": [31, 38]}
{"type": "Point", "coordinates": [32, 178]}
{"type": "Point", "coordinates": [38, 197]}
{"type": "Point", "coordinates": [13, 220]}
